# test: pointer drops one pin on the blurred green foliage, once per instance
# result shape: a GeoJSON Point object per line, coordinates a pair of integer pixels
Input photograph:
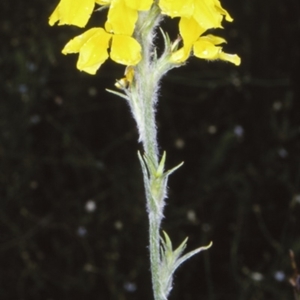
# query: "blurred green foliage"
{"type": "Point", "coordinates": [72, 211]}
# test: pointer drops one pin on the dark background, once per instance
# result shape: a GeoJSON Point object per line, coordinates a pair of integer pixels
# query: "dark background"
{"type": "Point", "coordinates": [66, 145]}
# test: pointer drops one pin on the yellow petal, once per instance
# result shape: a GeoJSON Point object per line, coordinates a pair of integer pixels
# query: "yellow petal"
{"type": "Point", "coordinates": [233, 58]}
{"type": "Point", "coordinates": [181, 55]}
{"type": "Point", "coordinates": [121, 19]}
{"type": "Point", "coordinates": [72, 12]}
{"type": "Point", "coordinates": [74, 45]}
{"type": "Point", "coordinates": [223, 11]}
{"type": "Point", "coordinates": [216, 40]}
{"type": "Point", "coordinates": [125, 50]}
{"type": "Point", "coordinates": [139, 4]}
{"type": "Point", "coordinates": [207, 15]}
{"type": "Point", "coordinates": [92, 47]}
{"type": "Point", "coordinates": [177, 8]}
{"type": "Point", "coordinates": [206, 50]}
{"type": "Point", "coordinates": [54, 17]}
{"type": "Point", "coordinates": [189, 30]}
{"type": "Point", "coordinates": [94, 52]}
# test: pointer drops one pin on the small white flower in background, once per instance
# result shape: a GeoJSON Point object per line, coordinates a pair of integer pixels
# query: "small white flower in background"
{"type": "Point", "coordinates": [90, 206]}
{"type": "Point", "coordinates": [179, 143]}
{"type": "Point", "coordinates": [31, 66]}
{"type": "Point", "coordinates": [257, 276]}
{"type": "Point", "coordinates": [58, 100]}
{"type": "Point", "coordinates": [99, 165]}
{"type": "Point", "coordinates": [118, 225]}
{"type": "Point", "coordinates": [206, 227]}
{"type": "Point", "coordinates": [277, 105]}
{"type": "Point", "coordinates": [81, 231]}
{"type": "Point", "coordinates": [282, 153]}
{"type": "Point", "coordinates": [92, 91]}
{"type": "Point", "coordinates": [23, 88]}
{"type": "Point", "coordinates": [33, 184]}
{"type": "Point", "coordinates": [90, 268]}
{"type": "Point", "coordinates": [130, 287]}
{"type": "Point", "coordinates": [191, 216]}
{"type": "Point", "coordinates": [212, 129]}
{"type": "Point", "coordinates": [238, 131]}
{"type": "Point", "coordinates": [35, 119]}
{"type": "Point", "coordinates": [297, 198]}
{"type": "Point", "coordinates": [279, 276]}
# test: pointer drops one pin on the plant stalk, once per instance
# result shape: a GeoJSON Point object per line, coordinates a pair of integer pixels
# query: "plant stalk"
{"type": "Point", "coordinates": [144, 98]}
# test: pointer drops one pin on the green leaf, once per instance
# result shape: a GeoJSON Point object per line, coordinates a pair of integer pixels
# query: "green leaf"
{"type": "Point", "coordinates": [172, 259]}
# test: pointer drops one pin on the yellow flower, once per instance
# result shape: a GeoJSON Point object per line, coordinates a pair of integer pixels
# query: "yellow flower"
{"type": "Point", "coordinates": [126, 81]}
{"type": "Point", "coordinates": [73, 12]}
{"type": "Point", "coordinates": [93, 45]}
{"type": "Point", "coordinates": [177, 8]}
{"type": "Point", "coordinates": [208, 13]}
{"type": "Point", "coordinates": [123, 14]}
{"type": "Point", "coordinates": [121, 19]}
{"type": "Point", "coordinates": [196, 17]}
{"type": "Point", "coordinates": [203, 46]}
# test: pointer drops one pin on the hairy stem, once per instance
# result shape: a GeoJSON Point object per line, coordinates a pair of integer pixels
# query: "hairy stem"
{"type": "Point", "coordinates": [144, 98]}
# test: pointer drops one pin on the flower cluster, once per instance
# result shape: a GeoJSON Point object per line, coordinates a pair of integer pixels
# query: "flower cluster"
{"type": "Point", "coordinates": [196, 17]}
{"type": "Point", "coordinates": [93, 44]}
